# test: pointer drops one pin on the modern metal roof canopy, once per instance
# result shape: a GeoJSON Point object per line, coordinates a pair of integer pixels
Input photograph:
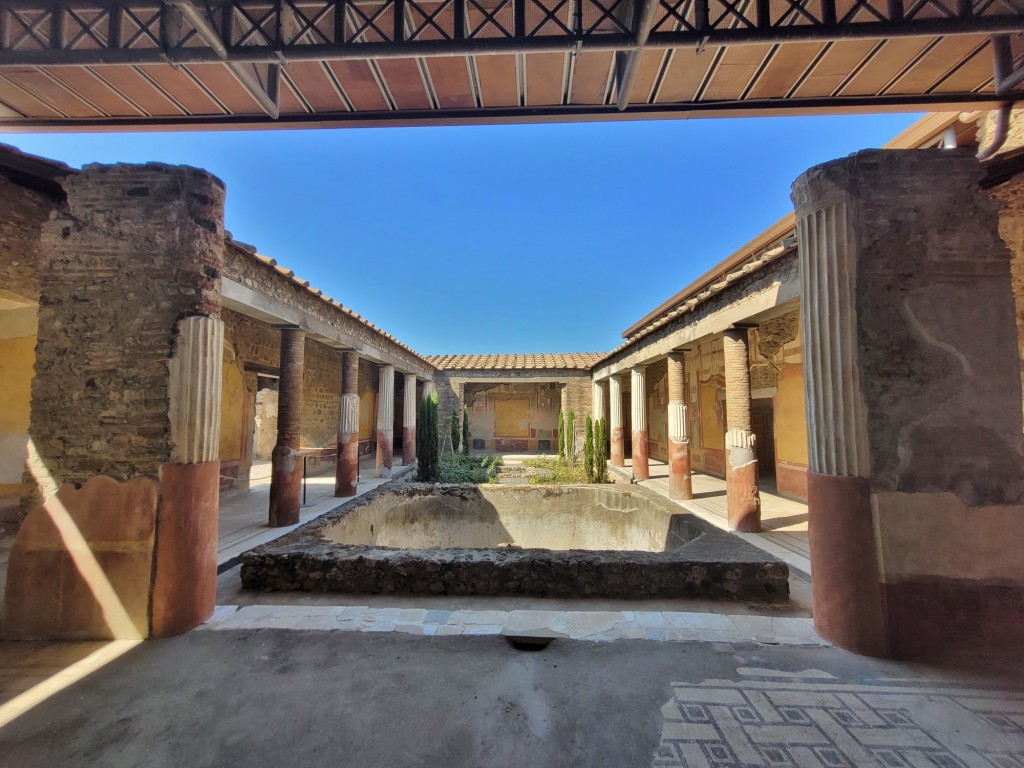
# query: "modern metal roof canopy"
{"type": "Point", "coordinates": [109, 63]}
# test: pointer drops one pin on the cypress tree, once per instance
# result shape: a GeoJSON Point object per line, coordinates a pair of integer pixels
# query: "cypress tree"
{"type": "Point", "coordinates": [601, 451]}
{"type": "Point", "coordinates": [465, 431]}
{"type": "Point", "coordinates": [561, 436]}
{"type": "Point", "coordinates": [456, 432]}
{"type": "Point", "coordinates": [570, 439]}
{"type": "Point", "coordinates": [426, 441]}
{"type": "Point", "coordinates": [588, 451]}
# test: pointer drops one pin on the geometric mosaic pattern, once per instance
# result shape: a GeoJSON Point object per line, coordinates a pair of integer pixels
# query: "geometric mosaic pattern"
{"type": "Point", "coordinates": [812, 720]}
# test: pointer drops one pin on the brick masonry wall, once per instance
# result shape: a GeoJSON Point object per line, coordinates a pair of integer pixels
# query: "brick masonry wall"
{"type": "Point", "coordinates": [115, 277]}
{"type": "Point", "coordinates": [22, 214]}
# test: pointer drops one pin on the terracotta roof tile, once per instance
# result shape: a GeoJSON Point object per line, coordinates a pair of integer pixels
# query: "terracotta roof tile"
{"type": "Point", "coordinates": [250, 251]}
{"type": "Point", "coordinates": [582, 361]}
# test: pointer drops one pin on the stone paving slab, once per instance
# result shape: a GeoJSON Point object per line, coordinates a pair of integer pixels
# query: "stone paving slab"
{"type": "Point", "coordinates": [589, 626]}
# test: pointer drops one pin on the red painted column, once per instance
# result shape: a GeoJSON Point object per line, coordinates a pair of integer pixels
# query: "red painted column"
{"type": "Point", "coordinates": [346, 471]}
{"type": "Point", "coordinates": [286, 462]}
{"type": "Point", "coordinates": [385, 420]}
{"type": "Point", "coordinates": [638, 411]}
{"type": "Point", "coordinates": [743, 496]}
{"type": "Point", "coordinates": [409, 420]}
{"type": "Point", "coordinates": [680, 482]}
{"type": "Point", "coordinates": [618, 441]}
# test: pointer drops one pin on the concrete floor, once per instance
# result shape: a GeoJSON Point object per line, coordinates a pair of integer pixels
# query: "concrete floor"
{"type": "Point", "coordinates": [306, 698]}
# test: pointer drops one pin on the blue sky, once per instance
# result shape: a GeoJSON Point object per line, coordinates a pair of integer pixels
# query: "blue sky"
{"type": "Point", "coordinates": [526, 238]}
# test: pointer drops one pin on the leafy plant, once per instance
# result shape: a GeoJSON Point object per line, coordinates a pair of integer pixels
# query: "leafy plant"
{"type": "Point", "coordinates": [426, 441]}
{"type": "Point", "coordinates": [588, 452]}
{"type": "Point", "coordinates": [558, 472]}
{"type": "Point", "coordinates": [460, 468]}
{"type": "Point", "coordinates": [455, 431]}
{"type": "Point", "coordinates": [465, 431]}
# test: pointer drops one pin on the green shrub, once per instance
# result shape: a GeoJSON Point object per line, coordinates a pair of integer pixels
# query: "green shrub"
{"type": "Point", "coordinates": [465, 431]}
{"type": "Point", "coordinates": [558, 472]}
{"type": "Point", "coordinates": [460, 468]}
{"type": "Point", "coordinates": [426, 441]}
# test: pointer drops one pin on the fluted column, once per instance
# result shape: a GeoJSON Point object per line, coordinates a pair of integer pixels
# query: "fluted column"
{"type": "Point", "coordinates": [286, 461]}
{"type": "Point", "coordinates": [409, 420]}
{"type": "Point", "coordinates": [680, 483]}
{"type": "Point", "coordinates": [598, 396]}
{"type": "Point", "coordinates": [743, 498]}
{"type": "Point", "coordinates": [638, 412]}
{"type": "Point", "coordinates": [346, 471]}
{"type": "Point", "coordinates": [385, 420]}
{"type": "Point", "coordinates": [618, 447]}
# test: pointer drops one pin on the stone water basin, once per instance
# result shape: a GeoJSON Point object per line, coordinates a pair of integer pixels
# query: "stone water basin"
{"type": "Point", "coordinates": [564, 541]}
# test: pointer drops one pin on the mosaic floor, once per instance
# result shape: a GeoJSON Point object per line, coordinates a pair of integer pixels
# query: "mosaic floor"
{"type": "Point", "coordinates": [813, 720]}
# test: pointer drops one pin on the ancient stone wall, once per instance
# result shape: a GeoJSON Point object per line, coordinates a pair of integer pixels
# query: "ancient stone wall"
{"type": "Point", "coordinates": [22, 214]}
{"type": "Point", "coordinates": [113, 287]}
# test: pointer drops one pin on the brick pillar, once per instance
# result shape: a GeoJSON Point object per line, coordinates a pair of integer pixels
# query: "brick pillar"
{"type": "Point", "coordinates": [286, 461]}
{"type": "Point", "coordinates": [385, 420]}
{"type": "Point", "coordinates": [346, 471]}
{"type": "Point", "coordinates": [743, 496]}
{"type": "Point", "coordinates": [680, 483]}
{"type": "Point", "coordinates": [638, 413]}
{"type": "Point", "coordinates": [121, 539]}
{"type": "Point", "coordinates": [409, 420]}
{"type": "Point", "coordinates": [915, 489]}
{"type": "Point", "coordinates": [618, 447]}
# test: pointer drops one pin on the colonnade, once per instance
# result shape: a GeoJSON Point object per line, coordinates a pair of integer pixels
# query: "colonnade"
{"type": "Point", "coordinates": [743, 495]}
{"type": "Point", "coordinates": [287, 460]}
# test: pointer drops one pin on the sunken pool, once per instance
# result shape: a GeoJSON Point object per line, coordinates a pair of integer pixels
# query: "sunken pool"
{"type": "Point", "coordinates": [566, 541]}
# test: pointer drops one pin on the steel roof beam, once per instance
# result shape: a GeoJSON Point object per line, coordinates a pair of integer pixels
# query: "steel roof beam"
{"type": "Point", "coordinates": [273, 43]}
{"type": "Point", "coordinates": [625, 78]}
{"type": "Point", "coordinates": [266, 95]}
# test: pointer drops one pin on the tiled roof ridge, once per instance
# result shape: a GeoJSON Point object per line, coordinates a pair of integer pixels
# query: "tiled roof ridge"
{"type": "Point", "coordinates": [757, 261]}
{"type": "Point", "coordinates": [267, 261]}
{"type": "Point", "coordinates": [516, 360]}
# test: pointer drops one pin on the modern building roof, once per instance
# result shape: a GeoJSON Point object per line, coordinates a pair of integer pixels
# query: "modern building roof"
{"type": "Point", "coordinates": [93, 63]}
{"type": "Point", "coordinates": [583, 361]}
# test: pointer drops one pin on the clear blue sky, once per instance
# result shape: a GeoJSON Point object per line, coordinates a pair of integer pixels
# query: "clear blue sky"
{"type": "Point", "coordinates": [488, 239]}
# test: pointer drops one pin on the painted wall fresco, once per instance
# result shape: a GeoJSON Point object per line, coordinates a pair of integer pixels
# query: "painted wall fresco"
{"type": "Point", "coordinates": [17, 358]}
{"type": "Point", "coordinates": [514, 417]}
{"type": "Point", "coordinates": [657, 410]}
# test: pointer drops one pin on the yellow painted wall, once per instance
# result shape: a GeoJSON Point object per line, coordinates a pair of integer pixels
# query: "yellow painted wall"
{"type": "Point", "coordinates": [17, 358]}
{"type": "Point", "coordinates": [512, 417]}
{"type": "Point", "coordinates": [790, 417]}
{"type": "Point", "coordinates": [234, 413]}
{"type": "Point", "coordinates": [657, 411]}
{"type": "Point", "coordinates": [367, 415]}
